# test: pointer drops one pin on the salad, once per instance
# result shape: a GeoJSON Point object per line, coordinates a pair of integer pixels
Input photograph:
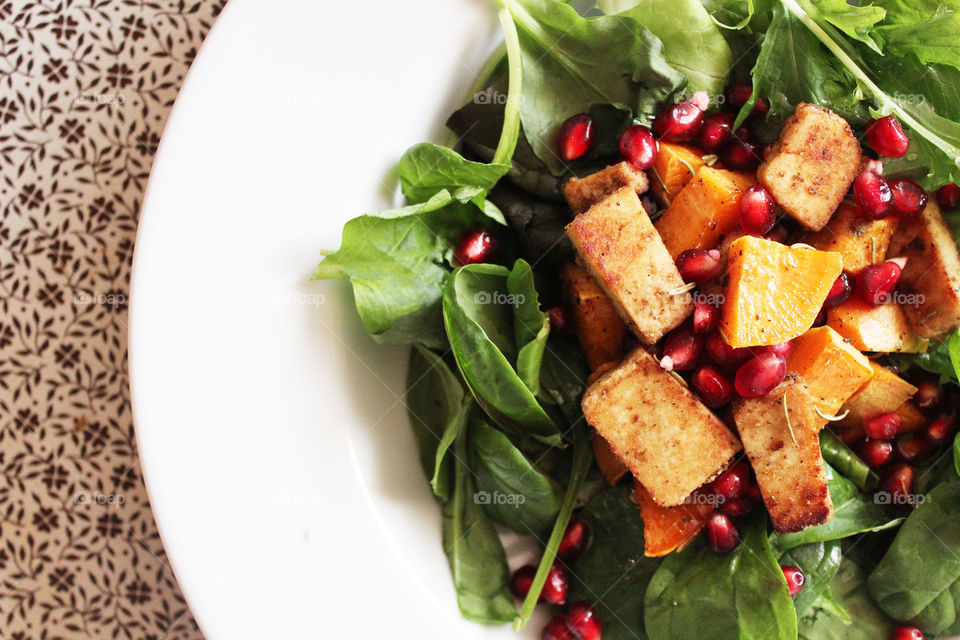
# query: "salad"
{"type": "Point", "coordinates": [683, 303]}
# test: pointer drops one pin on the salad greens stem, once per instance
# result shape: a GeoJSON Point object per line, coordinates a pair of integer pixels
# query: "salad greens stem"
{"type": "Point", "coordinates": [582, 461]}
{"type": "Point", "coordinates": [839, 456]}
{"type": "Point", "coordinates": [511, 115]}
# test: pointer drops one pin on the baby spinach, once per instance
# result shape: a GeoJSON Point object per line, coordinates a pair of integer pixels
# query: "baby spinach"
{"type": "Point", "coordinates": [562, 378]}
{"type": "Point", "coordinates": [918, 580]}
{"type": "Point", "coordinates": [427, 168]}
{"type": "Point", "coordinates": [956, 454]}
{"type": "Point", "coordinates": [531, 326]}
{"type": "Point", "coordinates": [738, 596]}
{"type": "Point", "coordinates": [846, 611]}
{"type": "Point", "coordinates": [819, 562]}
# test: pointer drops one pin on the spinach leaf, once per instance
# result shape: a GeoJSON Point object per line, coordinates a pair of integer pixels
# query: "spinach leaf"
{"type": "Point", "coordinates": [613, 572]}
{"type": "Point", "coordinates": [478, 320]}
{"type": "Point", "coordinates": [539, 226]}
{"type": "Point", "coordinates": [512, 491]}
{"type": "Point", "coordinates": [918, 580]}
{"type": "Point", "coordinates": [843, 460]}
{"type": "Point", "coordinates": [531, 326]}
{"type": "Point", "coordinates": [476, 556]}
{"type": "Point", "coordinates": [853, 512]}
{"type": "Point", "coordinates": [605, 60]}
{"type": "Point", "coordinates": [563, 377]}
{"type": "Point", "coordinates": [692, 43]}
{"type": "Point", "coordinates": [426, 168]}
{"type": "Point", "coordinates": [925, 28]}
{"type": "Point", "coordinates": [846, 611]}
{"type": "Point", "coordinates": [936, 360]}
{"type": "Point", "coordinates": [856, 21]}
{"type": "Point", "coordinates": [819, 562]}
{"type": "Point", "coordinates": [738, 596]}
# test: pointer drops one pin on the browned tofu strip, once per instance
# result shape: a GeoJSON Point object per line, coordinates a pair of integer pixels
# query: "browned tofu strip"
{"type": "Point", "coordinates": [791, 475]}
{"type": "Point", "coordinates": [600, 329]}
{"type": "Point", "coordinates": [811, 167]}
{"type": "Point", "coordinates": [620, 248]}
{"type": "Point", "coordinates": [666, 437]}
{"type": "Point", "coordinates": [930, 282]}
{"type": "Point", "coordinates": [583, 193]}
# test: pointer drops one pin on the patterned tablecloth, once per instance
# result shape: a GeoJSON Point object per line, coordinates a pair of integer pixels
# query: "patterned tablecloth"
{"type": "Point", "coordinates": [85, 89]}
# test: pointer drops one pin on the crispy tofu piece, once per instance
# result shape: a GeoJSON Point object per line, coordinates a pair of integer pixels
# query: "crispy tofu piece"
{"type": "Point", "coordinates": [930, 282]}
{"type": "Point", "coordinates": [583, 193]}
{"type": "Point", "coordinates": [620, 248]}
{"type": "Point", "coordinates": [861, 242]}
{"type": "Point", "coordinates": [811, 167]}
{"type": "Point", "coordinates": [831, 368]}
{"type": "Point", "coordinates": [670, 442]}
{"type": "Point", "coordinates": [600, 329]}
{"type": "Point", "coordinates": [610, 465]}
{"type": "Point", "coordinates": [791, 476]}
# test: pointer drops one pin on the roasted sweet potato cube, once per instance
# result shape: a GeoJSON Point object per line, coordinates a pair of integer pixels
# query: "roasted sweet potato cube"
{"type": "Point", "coordinates": [610, 465]}
{"type": "Point", "coordinates": [599, 327]}
{"type": "Point", "coordinates": [673, 168]}
{"type": "Point", "coordinates": [884, 329]}
{"type": "Point", "coordinates": [831, 368]}
{"type": "Point", "coordinates": [782, 439]}
{"type": "Point", "coordinates": [861, 242]}
{"type": "Point", "coordinates": [811, 167]}
{"type": "Point", "coordinates": [930, 284]}
{"type": "Point", "coordinates": [618, 245]}
{"type": "Point", "coordinates": [885, 391]}
{"type": "Point", "coordinates": [670, 442]}
{"type": "Point", "coordinates": [667, 529]}
{"type": "Point", "coordinates": [583, 193]}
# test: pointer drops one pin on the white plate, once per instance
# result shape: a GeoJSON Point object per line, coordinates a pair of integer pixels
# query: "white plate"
{"type": "Point", "coordinates": [272, 432]}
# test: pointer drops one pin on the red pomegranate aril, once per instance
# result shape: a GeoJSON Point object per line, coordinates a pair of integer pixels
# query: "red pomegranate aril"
{"type": "Point", "coordinates": [743, 156]}
{"type": "Point", "coordinates": [679, 122]}
{"type": "Point", "coordinates": [738, 94]}
{"type": "Point", "coordinates": [909, 198]}
{"type": "Point", "coordinates": [521, 580]}
{"type": "Point", "coordinates": [557, 629]}
{"type": "Point", "coordinates": [784, 349]}
{"type": "Point", "coordinates": [639, 146]}
{"type": "Point", "coordinates": [706, 317]}
{"type": "Point", "coordinates": [476, 245]}
{"type": "Point", "coordinates": [898, 483]}
{"type": "Point", "coordinates": [722, 534]}
{"type": "Point", "coordinates": [907, 633]}
{"type": "Point", "coordinates": [573, 538]}
{"type": "Point", "coordinates": [723, 354]}
{"type": "Point", "coordinates": [821, 318]}
{"type": "Point", "coordinates": [682, 349]}
{"type": "Point", "coordinates": [583, 621]}
{"type": "Point", "coordinates": [841, 291]}
{"type": "Point", "coordinates": [911, 447]}
{"type": "Point", "coordinates": [738, 507]}
{"type": "Point", "coordinates": [873, 195]}
{"type": "Point", "coordinates": [928, 394]}
{"type": "Point", "coordinates": [758, 211]}
{"type": "Point", "coordinates": [559, 320]}
{"type": "Point", "coordinates": [575, 136]}
{"type": "Point", "coordinates": [699, 265]}
{"type": "Point", "coordinates": [714, 388]}
{"type": "Point", "coordinates": [876, 283]}
{"type": "Point", "coordinates": [883, 427]}
{"type": "Point", "coordinates": [555, 588]}
{"type": "Point", "coordinates": [794, 577]}
{"type": "Point", "coordinates": [760, 375]}
{"type": "Point", "coordinates": [733, 482]}
{"type": "Point", "coordinates": [948, 197]}
{"type": "Point", "coordinates": [887, 138]}
{"type": "Point", "coordinates": [744, 133]}
{"type": "Point", "coordinates": [716, 131]}
{"type": "Point", "coordinates": [876, 453]}
{"type": "Point", "coordinates": [941, 429]}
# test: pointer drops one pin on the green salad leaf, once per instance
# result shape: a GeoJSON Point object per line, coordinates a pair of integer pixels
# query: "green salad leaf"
{"type": "Point", "coordinates": [531, 326]}
{"type": "Point", "coordinates": [427, 168]}
{"type": "Point", "coordinates": [846, 611]}
{"type": "Point", "coordinates": [819, 562]}
{"type": "Point", "coordinates": [843, 460]}
{"type": "Point", "coordinates": [855, 20]}
{"type": "Point", "coordinates": [925, 28]}
{"type": "Point", "coordinates": [956, 454]}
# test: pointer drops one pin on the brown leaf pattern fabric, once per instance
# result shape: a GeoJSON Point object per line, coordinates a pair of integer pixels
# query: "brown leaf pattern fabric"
{"type": "Point", "coordinates": [85, 89]}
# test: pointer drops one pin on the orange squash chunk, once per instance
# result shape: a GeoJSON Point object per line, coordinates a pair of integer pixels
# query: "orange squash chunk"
{"type": "Point", "coordinates": [775, 292]}
{"type": "Point", "coordinates": [599, 327]}
{"type": "Point", "coordinates": [832, 369]}
{"type": "Point", "coordinates": [882, 329]}
{"type": "Point", "coordinates": [672, 170]}
{"type": "Point", "coordinates": [861, 242]}
{"type": "Point", "coordinates": [610, 465]}
{"type": "Point", "coordinates": [704, 212]}
{"type": "Point", "coordinates": [884, 392]}
{"type": "Point", "coordinates": [667, 529]}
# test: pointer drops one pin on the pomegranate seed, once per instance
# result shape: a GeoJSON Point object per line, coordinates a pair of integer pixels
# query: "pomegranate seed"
{"type": "Point", "coordinates": [909, 198]}
{"type": "Point", "coordinates": [876, 453]}
{"type": "Point", "coordinates": [583, 621]}
{"type": "Point", "coordinates": [759, 376]}
{"type": "Point", "coordinates": [476, 244]}
{"type": "Point", "coordinates": [795, 578]}
{"type": "Point", "coordinates": [907, 633]}
{"type": "Point", "coordinates": [723, 354]}
{"type": "Point", "coordinates": [682, 349]}
{"type": "Point", "coordinates": [638, 145]}
{"type": "Point", "coordinates": [575, 136]}
{"type": "Point", "coordinates": [758, 211]}
{"type": "Point", "coordinates": [733, 482]}
{"type": "Point", "coordinates": [941, 429]}
{"type": "Point", "coordinates": [699, 265]}
{"type": "Point", "coordinates": [753, 492]}
{"type": "Point", "coordinates": [911, 447]}
{"type": "Point", "coordinates": [716, 132]}
{"type": "Point", "coordinates": [722, 534]}
{"type": "Point", "coordinates": [559, 321]}
{"type": "Point", "coordinates": [840, 292]}
{"type": "Point", "coordinates": [877, 282]}
{"type": "Point", "coordinates": [521, 580]}
{"type": "Point", "coordinates": [778, 234]}
{"type": "Point", "coordinates": [744, 156]}
{"type": "Point", "coordinates": [887, 138]}
{"type": "Point", "coordinates": [555, 588]}
{"type": "Point", "coordinates": [821, 318]}
{"type": "Point", "coordinates": [784, 349]}
{"type": "Point", "coordinates": [706, 317]}
{"type": "Point", "coordinates": [700, 99]}
{"type": "Point", "coordinates": [873, 195]}
{"type": "Point", "coordinates": [738, 94]}
{"type": "Point", "coordinates": [738, 507]}
{"type": "Point", "coordinates": [744, 133]}
{"type": "Point", "coordinates": [679, 122]}
{"type": "Point", "coordinates": [714, 388]}
{"type": "Point", "coordinates": [573, 538]}
{"type": "Point", "coordinates": [898, 483]}
{"type": "Point", "coordinates": [927, 395]}
{"type": "Point", "coordinates": [556, 629]}
{"type": "Point", "coordinates": [948, 197]}
{"type": "Point", "coordinates": [883, 426]}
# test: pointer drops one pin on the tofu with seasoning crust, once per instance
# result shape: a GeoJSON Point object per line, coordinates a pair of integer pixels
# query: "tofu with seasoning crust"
{"type": "Point", "coordinates": [789, 468]}
{"type": "Point", "coordinates": [583, 193]}
{"type": "Point", "coordinates": [619, 246]}
{"type": "Point", "coordinates": [811, 167]}
{"type": "Point", "coordinates": [667, 438]}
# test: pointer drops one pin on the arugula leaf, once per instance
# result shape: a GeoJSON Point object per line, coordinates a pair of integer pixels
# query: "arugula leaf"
{"type": "Point", "coordinates": [819, 562]}
{"type": "Point", "coordinates": [738, 596]}
{"type": "Point", "coordinates": [571, 63]}
{"type": "Point", "coordinates": [692, 43]}
{"type": "Point", "coordinates": [426, 168]}
{"type": "Point", "coordinates": [918, 580]}
{"type": "Point", "coordinates": [925, 28]}
{"type": "Point", "coordinates": [531, 326]}
{"type": "Point", "coordinates": [843, 460]}
{"type": "Point", "coordinates": [846, 611]}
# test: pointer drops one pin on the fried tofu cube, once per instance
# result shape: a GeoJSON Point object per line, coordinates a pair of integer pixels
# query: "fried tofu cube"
{"type": "Point", "coordinates": [782, 439]}
{"type": "Point", "coordinates": [930, 283]}
{"type": "Point", "coordinates": [583, 193]}
{"type": "Point", "coordinates": [667, 438]}
{"type": "Point", "coordinates": [599, 327]}
{"type": "Point", "coordinates": [861, 242]}
{"type": "Point", "coordinates": [831, 368]}
{"type": "Point", "coordinates": [618, 245]}
{"type": "Point", "coordinates": [811, 167]}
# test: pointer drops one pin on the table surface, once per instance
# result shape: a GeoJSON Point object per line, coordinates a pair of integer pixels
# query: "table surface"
{"type": "Point", "coordinates": [86, 87]}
